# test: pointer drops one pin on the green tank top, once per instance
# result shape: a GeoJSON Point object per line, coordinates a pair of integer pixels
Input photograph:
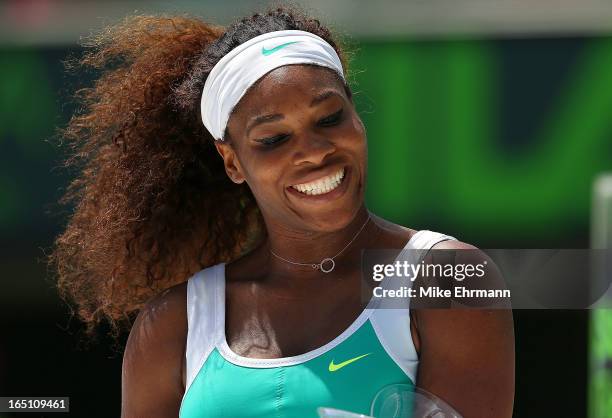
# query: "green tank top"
{"type": "Point", "coordinates": [375, 351]}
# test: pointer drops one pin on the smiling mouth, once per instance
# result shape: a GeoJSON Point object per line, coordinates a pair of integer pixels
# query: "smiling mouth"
{"type": "Point", "coordinates": [322, 185]}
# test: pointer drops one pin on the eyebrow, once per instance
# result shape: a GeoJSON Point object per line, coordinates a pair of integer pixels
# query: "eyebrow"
{"type": "Point", "coordinates": [321, 97]}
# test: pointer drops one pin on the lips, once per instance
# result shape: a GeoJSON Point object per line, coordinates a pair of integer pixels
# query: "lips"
{"type": "Point", "coordinates": [321, 185]}
{"type": "Point", "coordinates": [323, 189]}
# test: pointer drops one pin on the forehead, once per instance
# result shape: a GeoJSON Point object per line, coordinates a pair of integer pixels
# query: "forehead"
{"type": "Point", "coordinates": [288, 83]}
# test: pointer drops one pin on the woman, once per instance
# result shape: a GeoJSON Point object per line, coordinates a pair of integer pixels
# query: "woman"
{"type": "Point", "coordinates": [268, 223]}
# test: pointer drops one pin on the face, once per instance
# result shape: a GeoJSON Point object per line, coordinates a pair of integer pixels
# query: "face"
{"type": "Point", "coordinates": [297, 141]}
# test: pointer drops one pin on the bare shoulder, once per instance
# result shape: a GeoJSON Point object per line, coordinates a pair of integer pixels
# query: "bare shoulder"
{"type": "Point", "coordinates": [467, 253]}
{"type": "Point", "coordinates": [479, 340]}
{"type": "Point", "coordinates": [160, 329]}
{"type": "Point", "coordinates": [470, 254]}
{"type": "Point", "coordinates": [152, 373]}
{"type": "Point", "coordinates": [165, 315]}
{"type": "Point", "coordinates": [168, 304]}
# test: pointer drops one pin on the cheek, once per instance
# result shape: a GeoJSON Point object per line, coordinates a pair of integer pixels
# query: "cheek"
{"type": "Point", "coordinates": [357, 135]}
{"type": "Point", "coordinates": [358, 125]}
{"type": "Point", "coordinates": [262, 174]}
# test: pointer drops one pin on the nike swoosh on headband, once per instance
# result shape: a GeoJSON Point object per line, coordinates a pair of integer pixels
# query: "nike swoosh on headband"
{"type": "Point", "coordinates": [333, 367]}
{"type": "Point", "coordinates": [265, 51]}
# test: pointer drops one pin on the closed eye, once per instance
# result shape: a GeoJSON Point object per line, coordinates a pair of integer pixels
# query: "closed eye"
{"type": "Point", "coordinates": [273, 140]}
{"type": "Point", "coordinates": [332, 119]}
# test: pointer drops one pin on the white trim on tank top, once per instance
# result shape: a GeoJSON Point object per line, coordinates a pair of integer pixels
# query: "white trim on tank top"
{"type": "Point", "coordinates": [206, 322]}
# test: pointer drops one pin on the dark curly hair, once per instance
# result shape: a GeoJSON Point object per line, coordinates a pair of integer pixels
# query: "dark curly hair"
{"type": "Point", "coordinates": [152, 203]}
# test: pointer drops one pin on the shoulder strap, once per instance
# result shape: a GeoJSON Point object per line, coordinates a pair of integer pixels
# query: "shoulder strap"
{"type": "Point", "coordinates": [424, 240]}
{"type": "Point", "coordinates": [201, 319]}
{"type": "Point", "coordinates": [392, 326]}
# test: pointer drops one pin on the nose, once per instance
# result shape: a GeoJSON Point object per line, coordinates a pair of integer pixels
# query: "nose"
{"type": "Point", "coordinates": [313, 149]}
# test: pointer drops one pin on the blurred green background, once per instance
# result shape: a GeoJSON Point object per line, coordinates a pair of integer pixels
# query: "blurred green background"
{"type": "Point", "coordinates": [486, 120]}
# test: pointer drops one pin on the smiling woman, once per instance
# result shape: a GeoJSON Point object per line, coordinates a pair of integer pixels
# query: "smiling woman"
{"type": "Point", "coordinates": [310, 139]}
{"type": "Point", "coordinates": [223, 184]}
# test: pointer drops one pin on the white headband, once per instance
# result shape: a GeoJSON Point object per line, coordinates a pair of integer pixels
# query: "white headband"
{"type": "Point", "coordinates": [244, 65]}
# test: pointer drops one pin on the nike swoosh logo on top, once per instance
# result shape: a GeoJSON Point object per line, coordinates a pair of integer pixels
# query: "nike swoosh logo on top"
{"type": "Point", "coordinates": [333, 367]}
{"type": "Point", "coordinates": [265, 51]}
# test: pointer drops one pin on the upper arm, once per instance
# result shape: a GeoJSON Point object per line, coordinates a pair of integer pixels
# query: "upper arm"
{"type": "Point", "coordinates": [467, 356]}
{"type": "Point", "coordinates": [152, 383]}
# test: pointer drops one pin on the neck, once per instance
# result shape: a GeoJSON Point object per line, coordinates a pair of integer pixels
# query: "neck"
{"type": "Point", "coordinates": [311, 247]}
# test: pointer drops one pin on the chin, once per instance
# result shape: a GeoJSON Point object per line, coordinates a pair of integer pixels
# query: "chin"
{"type": "Point", "coordinates": [331, 220]}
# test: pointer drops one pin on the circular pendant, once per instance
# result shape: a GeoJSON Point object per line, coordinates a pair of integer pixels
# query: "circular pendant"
{"type": "Point", "coordinates": [330, 262]}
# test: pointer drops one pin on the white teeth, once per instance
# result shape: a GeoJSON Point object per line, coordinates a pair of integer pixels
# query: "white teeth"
{"type": "Point", "coordinates": [322, 185]}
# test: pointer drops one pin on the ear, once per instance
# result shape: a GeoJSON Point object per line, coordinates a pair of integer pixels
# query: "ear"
{"type": "Point", "coordinates": [230, 161]}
